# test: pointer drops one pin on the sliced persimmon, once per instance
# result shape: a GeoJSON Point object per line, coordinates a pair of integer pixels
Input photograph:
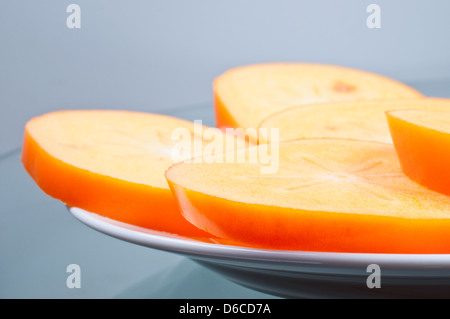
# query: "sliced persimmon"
{"type": "Point", "coordinates": [333, 195]}
{"type": "Point", "coordinates": [112, 163]}
{"type": "Point", "coordinates": [350, 119]}
{"type": "Point", "coordinates": [422, 142]}
{"type": "Point", "coordinates": [244, 96]}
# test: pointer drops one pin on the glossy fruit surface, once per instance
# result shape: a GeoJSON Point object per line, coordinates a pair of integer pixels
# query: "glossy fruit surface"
{"type": "Point", "coordinates": [111, 163]}
{"type": "Point", "coordinates": [422, 142]}
{"type": "Point", "coordinates": [333, 195]}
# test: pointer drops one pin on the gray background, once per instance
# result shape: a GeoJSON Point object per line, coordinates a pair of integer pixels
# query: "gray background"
{"type": "Point", "coordinates": [161, 56]}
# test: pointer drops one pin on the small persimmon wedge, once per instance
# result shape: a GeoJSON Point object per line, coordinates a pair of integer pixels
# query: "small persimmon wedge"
{"type": "Point", "coordinates": [422, 142]}
{"type": "Point", "coordinates": [329, 195]}
{"type": "Point", "coordinates": [112, 163]}
{"type": "Point", "coordinates": [350, 119]}
{"type": "Point", "coordinates": [244, 96]}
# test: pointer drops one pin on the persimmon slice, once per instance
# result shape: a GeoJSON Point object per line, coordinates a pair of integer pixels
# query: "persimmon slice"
{"type": "Point", "coordinates": [334, 195]}
{"type": "Point", "coordinates": [422, 142]}
{"type": "Point", "coordinates": [245, 95]}
{"type": "Point", "coordinates": [111, 163]}
{"type": "Point", "coordinates": [351, 119]}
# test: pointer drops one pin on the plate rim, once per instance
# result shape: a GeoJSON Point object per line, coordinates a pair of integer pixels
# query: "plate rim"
{"type": "Point", "coordinates": [204, 250]}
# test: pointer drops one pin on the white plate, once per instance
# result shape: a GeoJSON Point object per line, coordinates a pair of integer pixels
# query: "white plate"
{"type": "Point", "coordinates": [296, 274]}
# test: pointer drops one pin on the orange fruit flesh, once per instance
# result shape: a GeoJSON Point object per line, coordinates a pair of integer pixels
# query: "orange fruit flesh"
{"type": "Point", "coordinates": [332, 195]}
{"type": "Point", "coordinates": [351, 119]}
{"type": "Point", "coordinates": [422, 142]}
{"type": "Point", "coordinates": [111, 163]}
{"type": "Point", "coordinates": [244, 96]}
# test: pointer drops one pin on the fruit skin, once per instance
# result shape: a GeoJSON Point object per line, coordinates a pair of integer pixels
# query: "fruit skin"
{"type": "Point", "coordinates": [223, 118]}
{"type": "Point", "coordinates": [424, 153]}
{"type": "Point", "coordinates": [132, 203]}
{"type": "Point", "coordinates": [311, 230]}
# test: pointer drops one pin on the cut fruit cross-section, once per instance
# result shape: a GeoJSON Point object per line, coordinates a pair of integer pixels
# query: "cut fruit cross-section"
{"type": "Point", "coordinates": [112, 163]}
{"type": "Point", "coordinates": [334, 195]}
{"type": "Point", "coordinates": [244, 96]}
{"type": "Point", "coordinates": [352, 119]}
{"type": "Point", "coordinates": [422, 142]}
